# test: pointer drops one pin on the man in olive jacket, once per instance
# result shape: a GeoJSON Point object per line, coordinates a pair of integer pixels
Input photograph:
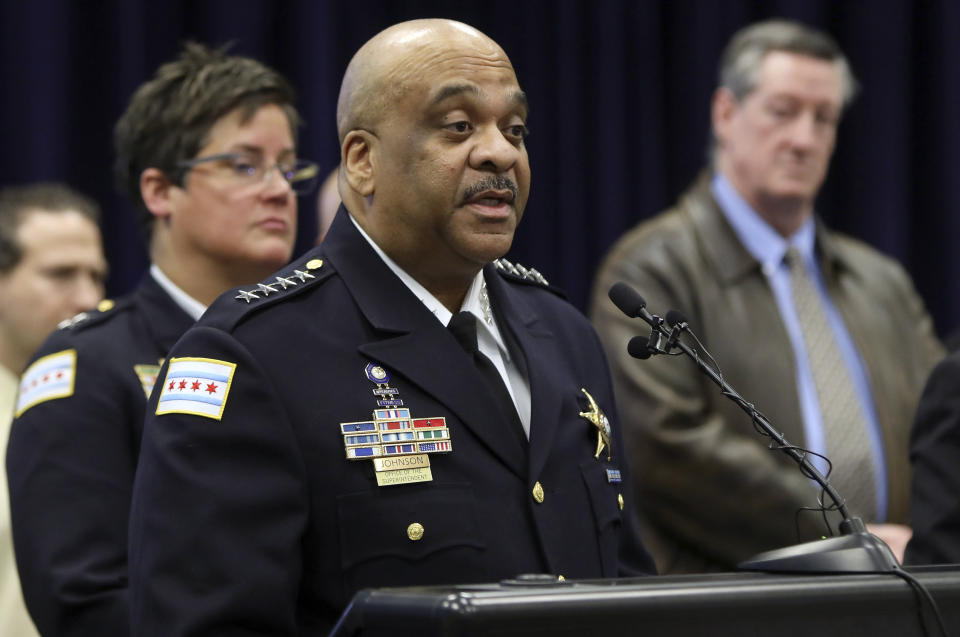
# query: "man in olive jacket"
{"type": "Point", "coordinates": [712, 491]}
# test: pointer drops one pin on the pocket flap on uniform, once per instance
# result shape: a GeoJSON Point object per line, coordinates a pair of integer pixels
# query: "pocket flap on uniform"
{"type": "Point", "coordinates": [410, 523]}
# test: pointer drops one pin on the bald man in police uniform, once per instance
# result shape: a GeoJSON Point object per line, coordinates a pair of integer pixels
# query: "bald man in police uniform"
{"type": "Point", "coordinates": [324, 431]}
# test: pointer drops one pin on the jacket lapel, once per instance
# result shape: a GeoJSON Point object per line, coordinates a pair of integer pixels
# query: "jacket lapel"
{"type": "Point", "coordinates": [413, 343]}
{"type": "Point", "coordinates": [538, 347]}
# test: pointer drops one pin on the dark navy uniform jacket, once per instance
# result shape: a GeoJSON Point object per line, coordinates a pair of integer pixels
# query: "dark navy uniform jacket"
{"type": "Point", "coordinates": [71, 461]}
{"type": "Point", "coordinates": [935, 456]}
{"type": "Point", "coordinates": [257, 523]}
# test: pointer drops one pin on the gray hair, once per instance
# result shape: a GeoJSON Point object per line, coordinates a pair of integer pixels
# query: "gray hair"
{"type": "Point", "coordinates": [743, 56]}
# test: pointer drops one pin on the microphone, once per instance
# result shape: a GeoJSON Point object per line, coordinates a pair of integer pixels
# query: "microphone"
{"type": "Point", "coordinates": [639, 347]}
{"type": "Point", "coordinates": [678, 322]}
{"type": "Point", "coordinates": [627, 299]}
{"type": "Point", "coordinates": [631, 303]}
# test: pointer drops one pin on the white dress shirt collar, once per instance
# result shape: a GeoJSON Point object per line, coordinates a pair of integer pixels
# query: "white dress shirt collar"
{"type": "Point", "coordinates": [187, 303]}
{"type": "Point", "coordinates": [476, 301]}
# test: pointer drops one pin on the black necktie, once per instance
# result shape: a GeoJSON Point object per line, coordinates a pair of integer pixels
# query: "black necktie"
{"type": "Point", "coordinates": [463, 326]}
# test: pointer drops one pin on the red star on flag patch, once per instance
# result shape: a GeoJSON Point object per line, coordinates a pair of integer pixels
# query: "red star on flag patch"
{"type": "Point", "coordinates": [197, 386]}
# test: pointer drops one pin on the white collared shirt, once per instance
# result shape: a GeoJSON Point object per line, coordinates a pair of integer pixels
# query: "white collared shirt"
{"type": "Point", "coordinates": [187, 303]}
{"type": "Point", "coordinates": [490, 340]}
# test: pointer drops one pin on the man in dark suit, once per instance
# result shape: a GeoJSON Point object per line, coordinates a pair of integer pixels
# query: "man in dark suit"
{"type": "Point", "coordinates": [197, 150]}
{"type": "Point", "coordinates": [325, 431]}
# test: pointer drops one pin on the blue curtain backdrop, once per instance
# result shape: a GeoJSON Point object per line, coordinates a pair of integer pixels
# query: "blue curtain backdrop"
{"type": "Point", "coordinates": [619, 93]}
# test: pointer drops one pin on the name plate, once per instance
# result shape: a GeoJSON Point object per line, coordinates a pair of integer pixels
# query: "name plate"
{"type": "Point", "coordinates": [394, 463]}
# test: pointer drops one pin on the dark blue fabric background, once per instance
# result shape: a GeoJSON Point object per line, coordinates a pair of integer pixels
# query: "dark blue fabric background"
{"type": "Point", "coordinates": [619, 93]}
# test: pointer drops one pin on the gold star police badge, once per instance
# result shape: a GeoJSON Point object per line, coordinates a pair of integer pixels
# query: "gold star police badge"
{"type": "Point", "coordinates": [598, 419]}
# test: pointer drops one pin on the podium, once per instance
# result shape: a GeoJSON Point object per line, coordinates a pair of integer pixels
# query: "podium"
{"type": "Point", "coordinates": [741, 604]}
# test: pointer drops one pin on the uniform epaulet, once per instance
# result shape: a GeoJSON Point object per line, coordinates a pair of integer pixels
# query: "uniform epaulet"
{"type": "Point", "coordinates": [105, 310]}
{"type": "Point", "coordinates": [521, 274]}
{"type": "Point", "coordinates": [301, 275]}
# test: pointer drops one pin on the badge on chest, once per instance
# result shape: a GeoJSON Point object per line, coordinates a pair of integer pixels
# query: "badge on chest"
{"type": "Point", "coordinates": [398, 443]}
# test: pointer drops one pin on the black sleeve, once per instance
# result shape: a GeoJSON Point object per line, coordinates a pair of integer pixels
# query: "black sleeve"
{"type": "Point", "coordinates": [935, 456]}
{"type": "Point", "coordinates": [219, 507]}
{"type": "Point", "coordinates": [70, 466]}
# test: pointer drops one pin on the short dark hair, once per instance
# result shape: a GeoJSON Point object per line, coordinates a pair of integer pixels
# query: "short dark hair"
{"type": "Point", "coordinates": [17, 201]}
{"type": "Point", "coordinates": [170, 116]}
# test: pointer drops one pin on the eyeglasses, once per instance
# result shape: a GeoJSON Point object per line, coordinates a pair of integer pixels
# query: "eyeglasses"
{"type": "Point", "coordinates": [250, 169]}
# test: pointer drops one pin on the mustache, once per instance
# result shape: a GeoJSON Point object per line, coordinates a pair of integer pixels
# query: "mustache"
{"type": "Point", "coordinates": [493, 182]}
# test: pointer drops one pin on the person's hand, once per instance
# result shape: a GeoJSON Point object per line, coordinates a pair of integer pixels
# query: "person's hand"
{"type": "Point", "coordinates": [895, 536]}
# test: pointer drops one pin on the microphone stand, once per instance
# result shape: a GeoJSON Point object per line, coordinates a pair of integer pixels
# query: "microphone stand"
{"type": "Point", "coordinates": [855, 551]}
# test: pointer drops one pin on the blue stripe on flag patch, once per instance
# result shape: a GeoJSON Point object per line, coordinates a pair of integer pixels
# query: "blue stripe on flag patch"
{"type": "Point", "coordinates": [197, 398]}
{"type": "Point", "coordinates": [191, 374]}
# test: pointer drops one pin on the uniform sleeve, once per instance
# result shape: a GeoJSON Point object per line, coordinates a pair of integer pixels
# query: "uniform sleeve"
{"type": "Point", "coordinates": [934, 453]}
{"type": "Point", "coordinates": [700, 479]}
{"type": "Point", "coordinates": [219, 503]}
{"type": "Point", "coordinates": [70, 465]}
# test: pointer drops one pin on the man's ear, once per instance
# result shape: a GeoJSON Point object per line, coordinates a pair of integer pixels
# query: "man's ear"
{"type": "Point", "coordinates": [358, 155]}
{"type": "Point", "coordinates": [722, 110]}
{"type": "Point", "coordinates": [156, 190]}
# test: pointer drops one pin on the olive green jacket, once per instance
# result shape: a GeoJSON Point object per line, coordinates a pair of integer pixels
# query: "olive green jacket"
{"type": "Point", "coordinates": [712, 492]}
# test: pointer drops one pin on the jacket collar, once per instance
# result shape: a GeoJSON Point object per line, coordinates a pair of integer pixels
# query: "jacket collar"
{"type": "Point", "coordinates": [719, 242]}
{"type": "Point", "coordinates": [165, 320]}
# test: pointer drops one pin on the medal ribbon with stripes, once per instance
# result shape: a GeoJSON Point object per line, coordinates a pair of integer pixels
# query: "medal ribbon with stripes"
{"type": "Point", "coordinates": [398, 443]}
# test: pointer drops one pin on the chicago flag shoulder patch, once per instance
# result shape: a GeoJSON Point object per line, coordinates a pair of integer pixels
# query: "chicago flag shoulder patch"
{"type": "Point", "coordinates": [48, 378]}
{"type": "Point", "coordinates": [197, 386]}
